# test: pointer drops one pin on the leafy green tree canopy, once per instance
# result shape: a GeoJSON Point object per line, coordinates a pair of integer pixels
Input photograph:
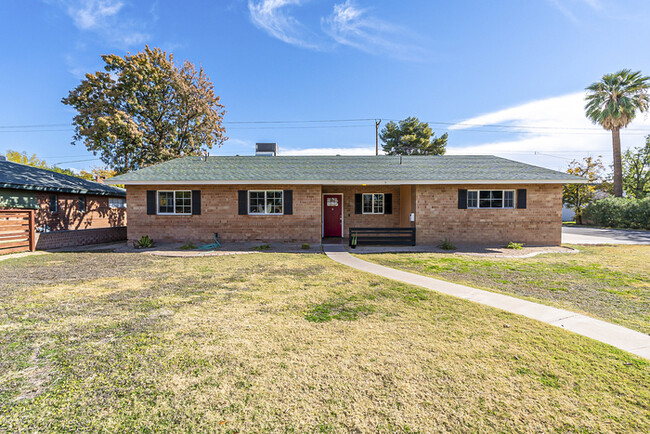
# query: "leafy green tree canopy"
{"type": "Point", "coordinates": [34, 161]}
{"type": "Point", "coordinates": [97, 173]}
{"type": "Point", "coordinates": [412, 137]}
{"type": "Point", "coordinates": [577, 196]}
{"type": "Point", "coordinates": [636, 171]}
{"type": "Point", "coordinates": [145, 109]}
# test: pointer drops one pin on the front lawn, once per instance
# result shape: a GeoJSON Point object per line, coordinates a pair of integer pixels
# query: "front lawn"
{"type": "Point", "coordinates": [608, 282]}
{"type": "Point", "coordinates": [286, 342]}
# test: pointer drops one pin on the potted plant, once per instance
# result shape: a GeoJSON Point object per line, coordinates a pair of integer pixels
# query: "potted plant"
{"type": "Point", "coordinates": [353, 240]}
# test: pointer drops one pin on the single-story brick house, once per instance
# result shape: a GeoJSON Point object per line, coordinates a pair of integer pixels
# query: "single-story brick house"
{"type": "Point", "coordinates": [68, 211]}
{"type": "Point", "coordinates": [467, 199]}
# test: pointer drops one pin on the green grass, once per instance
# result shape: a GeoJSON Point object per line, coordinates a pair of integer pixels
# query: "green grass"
{"type": "Point", "coordinates": [607, 282]}
{"type": "Point", "coordinates": [287, 342]}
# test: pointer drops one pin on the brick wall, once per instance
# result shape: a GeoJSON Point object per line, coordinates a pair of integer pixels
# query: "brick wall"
{"type": "Point", "coordinates": [57, 239]}
{"type": "Point", "coordinates": [437, 216]}
{"type": "Point", "coordinates": [219, 213]}
{"type": "Point", "coordinates": [436, 213]}
{"type": "Point", "coordinates": [352, 220]}
{"type": "Point", "coordinates": [68, 216]}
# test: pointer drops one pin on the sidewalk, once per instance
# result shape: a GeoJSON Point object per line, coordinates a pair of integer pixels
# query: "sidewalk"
{"type": "Point", "coordinates": [620, 337]}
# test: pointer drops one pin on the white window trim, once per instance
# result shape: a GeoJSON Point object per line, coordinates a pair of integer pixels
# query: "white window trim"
{"type": "Point", "coordinates": [248, 202]}
{"type": "Point", "coordinates": [503, 200]}
{"type": "Point", "coordinates": [174, 202]}
{"type": "Point", "coordinates": [383, 206]}
{"type": "Point", "coordinates": [122, 202]}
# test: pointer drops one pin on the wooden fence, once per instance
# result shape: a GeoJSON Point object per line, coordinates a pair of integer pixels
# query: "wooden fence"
{"type": "Point", "coordinates": [17, 231]}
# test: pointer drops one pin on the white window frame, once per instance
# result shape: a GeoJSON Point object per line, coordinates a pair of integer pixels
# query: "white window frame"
{"type": "Point", "coordinates": [121, 199]}
{"type": "Point", "coordinates": [383, 203]}
{"type": "Point", "coordinates": [174, 202]}
{"type": "Point", "coordinates": [503, 200]}
{"type": "Point", "coordinates": [248, 202]}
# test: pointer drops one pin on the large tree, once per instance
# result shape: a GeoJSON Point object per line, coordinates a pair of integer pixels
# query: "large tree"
{"type": "Point", "coordinates": [577, 196]}
{"type": "Point", "coordinates": [144, 109]}
{"type": "Point", "coordinates": [412, 137]}
{"type": "Point", "coordinates": [636, 171]}
{"type": "Point", "coordinates": [613, 103]}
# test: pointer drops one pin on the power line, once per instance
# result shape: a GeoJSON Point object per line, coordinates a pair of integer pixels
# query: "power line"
{"type": "Point", "coordinates": [476, 125]}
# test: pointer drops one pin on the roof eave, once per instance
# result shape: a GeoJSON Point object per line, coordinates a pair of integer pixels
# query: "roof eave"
{"type": "Point", "coordinates": [62, 190]}
{"type": "Point", "coordinates": [351, 182]}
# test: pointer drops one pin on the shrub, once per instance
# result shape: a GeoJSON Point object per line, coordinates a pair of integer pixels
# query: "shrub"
{"type": "Point", "coordinates": [620, 212]}
{"type": "Point", "coordinates": [262, 247]}
{"type": "Point", "coordinates": [447, 245]}
{"type": "Point", "coordinates": [515, 246]}
{"type": "Point", "coordinates": [143, 243]}
{"type": "Point", "coordinates": [305, 246]}
{"type": "Point", "coordinates": [188, 246]}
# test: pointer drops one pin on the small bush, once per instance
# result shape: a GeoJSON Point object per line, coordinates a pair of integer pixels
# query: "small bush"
{"type": "Point", "coordinates": [515, 246]}
{"type": "Point", "coordinates": [305, 246]}
{"type": "Point", "coordinates": [262, 247]}
{"type": "Point", "coordinates": [188, 246]}
{"type": "Point", "coordinates": [145, 242]}
{"type": "Point", "coordinates": [619, 212]}
{"type": "Point", "coordinates": [447, 245]}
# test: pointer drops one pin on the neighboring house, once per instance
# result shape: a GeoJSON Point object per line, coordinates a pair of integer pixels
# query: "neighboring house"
{"type": "Point", "coordinates": [467, 199]}
{"type": "Point", "coordinates": [69, 211]}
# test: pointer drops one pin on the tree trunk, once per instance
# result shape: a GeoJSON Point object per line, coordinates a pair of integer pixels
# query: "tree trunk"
{"type": "Point", "coordinates": [618, 170]}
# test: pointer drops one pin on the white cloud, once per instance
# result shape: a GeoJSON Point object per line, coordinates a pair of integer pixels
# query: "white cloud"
{"type": "Point", "coordinates": [555, 126]}
{"type": "Point", "coordinates": [352, 150]}
{"type": "Point", "coordinates": [347, 25]}
{"type": "Point", "coordinates": [92, 13]}
{"type": "Point", "coordinates": [106, 18]}
{"type": "Point", "coordinates": [567, 7]}
{"type": "Point", "coordinates": [273, 17]}
{"type": "Point", "coordinates": [352, 26]}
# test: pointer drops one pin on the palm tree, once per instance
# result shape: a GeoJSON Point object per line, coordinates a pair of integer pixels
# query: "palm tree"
{"type": "Point", "coordinates": [613, 102]}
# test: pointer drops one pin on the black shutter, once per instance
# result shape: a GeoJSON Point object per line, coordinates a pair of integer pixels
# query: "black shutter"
{"type": "Point", "coordinates": [462, 198]}
{"type": "Point", "coordinates": [196, 202]}
{"type": "Point", "coordinates": [288, 202]}
{"type": "Point", "coordinates": [151, 202]}
{"type": "Point", "coordinates": [521, 198]}
{"type": "Point", "coordinates": [358, 203]}
{"type": "Point", "coordinates": [243, 202]}
{"type": "Point", "coordinates": [388, 203]}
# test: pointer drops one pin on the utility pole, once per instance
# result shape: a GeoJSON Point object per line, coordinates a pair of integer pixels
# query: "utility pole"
{"type": "Point", "coordinates": [377, 122]}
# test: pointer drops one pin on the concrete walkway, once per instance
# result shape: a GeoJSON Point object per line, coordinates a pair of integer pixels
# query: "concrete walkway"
{"type": "Point", "coordinates": [617, 336]}
{"type": "Point", "coordinates": [589, 235]}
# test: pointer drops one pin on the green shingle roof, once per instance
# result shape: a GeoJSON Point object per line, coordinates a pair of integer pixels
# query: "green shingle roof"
{"type": "Point", "coordinates": [22, 177]}
{"type": "Point", "coordinates": [340, 169]}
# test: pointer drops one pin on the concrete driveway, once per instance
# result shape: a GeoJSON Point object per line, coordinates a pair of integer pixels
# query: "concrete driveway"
{"type": "Point", "coordinates": [586, 235]}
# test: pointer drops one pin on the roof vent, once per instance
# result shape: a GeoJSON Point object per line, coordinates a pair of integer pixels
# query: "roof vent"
{"type": "Point", "coordinates": [267, 149]}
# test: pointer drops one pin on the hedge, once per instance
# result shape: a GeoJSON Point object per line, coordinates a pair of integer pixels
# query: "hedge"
{"type": "Point", "coordinates": [619, 212]}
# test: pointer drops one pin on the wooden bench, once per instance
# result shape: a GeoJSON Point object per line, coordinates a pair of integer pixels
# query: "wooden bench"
{"type": "Point", "coordinates": [383, 236]}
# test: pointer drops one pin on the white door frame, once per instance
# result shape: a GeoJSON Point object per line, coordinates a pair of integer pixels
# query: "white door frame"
{"type": "Point", "coordinates": [322, 213]}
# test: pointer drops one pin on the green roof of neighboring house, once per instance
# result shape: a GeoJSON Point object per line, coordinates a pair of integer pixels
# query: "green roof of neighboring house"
{"type": "Point", "coordinates": [447, 169]}
{"type": "Point", "coordinates": [22, 177]}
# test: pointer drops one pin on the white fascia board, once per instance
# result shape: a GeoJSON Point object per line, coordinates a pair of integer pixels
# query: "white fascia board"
{"type": "Point", "coordinates": [355, 182]}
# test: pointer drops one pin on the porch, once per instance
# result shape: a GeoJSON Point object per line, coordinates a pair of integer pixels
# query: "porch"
{"type": "Point", "coordinates": [345, 207]}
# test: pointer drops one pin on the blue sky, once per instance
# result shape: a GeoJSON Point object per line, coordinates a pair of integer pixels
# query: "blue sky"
{"type": "Point", "coordinates": [468, 66]}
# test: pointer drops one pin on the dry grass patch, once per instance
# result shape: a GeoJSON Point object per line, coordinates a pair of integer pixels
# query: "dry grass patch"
{"type": "Point", "coordinates": [607, 282]}
{"type": "Point", "coordinates": [286, 342]}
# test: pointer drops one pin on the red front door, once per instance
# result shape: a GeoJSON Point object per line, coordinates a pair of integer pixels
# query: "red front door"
{"type": "Point", "coordinates": [333, 215]}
